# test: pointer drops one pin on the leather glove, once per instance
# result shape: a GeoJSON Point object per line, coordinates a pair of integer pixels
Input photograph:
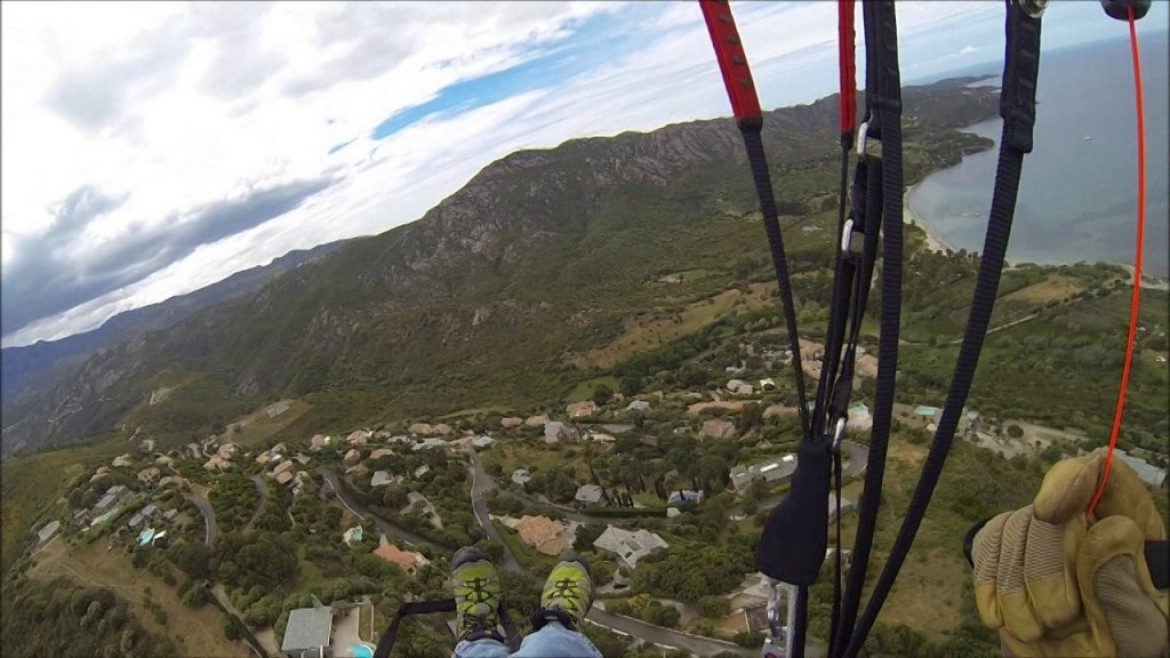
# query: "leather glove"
{"type": "Point", "coordinates": [1057, 583]}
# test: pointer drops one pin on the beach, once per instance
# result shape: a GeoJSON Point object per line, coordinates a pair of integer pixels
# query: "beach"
{"type": "Point", "coordinates": [933, 241]}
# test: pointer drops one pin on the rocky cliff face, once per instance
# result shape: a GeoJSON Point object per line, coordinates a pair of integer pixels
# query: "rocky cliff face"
{"type": "Point", "coordinates": [488, 289]}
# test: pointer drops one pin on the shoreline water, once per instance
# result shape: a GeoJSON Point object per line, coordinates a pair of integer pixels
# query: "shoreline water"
{"type": "Point", "coordinates": [934, 241]}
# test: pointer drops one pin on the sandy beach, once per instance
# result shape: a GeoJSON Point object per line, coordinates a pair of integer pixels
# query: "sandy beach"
{"type": "Point", "coordinates": [933, 241]}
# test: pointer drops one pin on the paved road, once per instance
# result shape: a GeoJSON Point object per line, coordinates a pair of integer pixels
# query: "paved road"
{"type": "Point", "coordinates": [211, 529]}
{"type": "Point", "coordinates": [262, 489]}
{"type": "Point", "coordinates": [383, 525]}
{"type": "Point", "coordinates": [482, 483]}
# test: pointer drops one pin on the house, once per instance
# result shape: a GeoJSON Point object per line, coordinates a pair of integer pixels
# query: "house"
{"type": "Point", "coordinates": [536, 421]}
{"type": "Point", "coordinates": [482, 441]}
{"type": "Point", "coordinates": [599, 436]}
{"type": "Point", "coordinates": [521, 476]}
{"type": "Point", "coordinates": [382, 479]}
{"type": "Point", "coordinates": [544, 534]}
{"type": "Point", "coordinates": [149, 476]}
{"type": "Point", "coordinates": [418, 429]}
{"type": "Point", "coordinates": [926, 411]}
{"type": "Point", "coordinates": [859, 417]}
{"type": "Point", "coordinates": [767, 384]}
{"type": "Point", "coordinates": [408, 561]}
{"type": "Point", "coordinates": [588, 494]}
{"type": "Point", "coordinates": [511, 421]}
{"type": "Point", "coordinates": [227, 451]}
{"type": "Point", "coordinates": [123, 460]}
{"type": "Point", "coordinates": [308, 632]}
{"type": "Point", "coordinates": [739, 387]}
{"type": "Point", "coordinates": [302, 459]}
{"type": "Point", "coordinates": [428, 444]}
{"type": "Point", "coordinates": [582, 409]}
{"type": "Point", "coordinates": [176, 480]}
{"type": "Point", "coordinates": [352, 457]}
{"type": "Point", "coordinates": [1150, 474]}
{"type": "Point", "coordinates": [358, 437]}
{"type": "Point", "coordinates": [352, 536]}
{"type": "Point", "coordinates": [442, 429]}
{"type": "Point", "coordinates": [263, 458]}
{"type": "Point", "coordinates": [639, 406]}
{"type": "Point", "coordinates": [275, 409]}
{"type": "Point", "coordinates": [421, 471]}
{"type": "Point", "coordinates": [282, 467]}
{"type": "Point", "coordinates": [685, 496]}
{"type": "Point", "coordinates": [776, 470]}
{"type": "Point", "coordinates": [319, 442]}
{"type": "Point", "coordinates": [380, 453]}
{"type": "Point", "coordinates": [143, 515]}
{"type": "Point", "coordinates": [111, 499]}
{"type": "Point", "coordinates": [217, 463]}
{"type": "Point", "coordinates": [718, 429]}
{"type": "Point", "coordinates": [100, 473]}
{"type": "Point", "coordinates": [164, 460]}
{"type": "Point", "coordinates": [285, 477]}
{"type": "Point", "coordinates": [555, 431]}
{"type": "Point", "coordinates": [47, 531]}
{"type": "Point", "coordinates": [629, 547]}
{"type": "Point", "coordinates": [737, 368]}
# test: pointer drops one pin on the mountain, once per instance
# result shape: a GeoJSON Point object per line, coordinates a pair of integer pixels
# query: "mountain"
{"type": "Point", "coordinates": [486, 299]}
{"type": "Point", "coordinates": [46, 361]}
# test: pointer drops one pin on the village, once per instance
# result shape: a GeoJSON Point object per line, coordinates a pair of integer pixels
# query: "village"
{"type": "Point", "coordinates": [641, 482]}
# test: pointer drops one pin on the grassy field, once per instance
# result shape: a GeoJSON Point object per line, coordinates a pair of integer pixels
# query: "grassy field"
{"type": "Point", "coordinates": [584, 390]}
{"type": "Point", "coordinates": [257, 426]}
{"type": "Point", "coordinates": [32, 488]}
{"type": "Point", "coordinates": [195, 632]}
{"type": "Point", "coordinates": [510, 456]}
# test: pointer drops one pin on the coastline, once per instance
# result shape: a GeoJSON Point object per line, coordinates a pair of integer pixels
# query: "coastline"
{"type": "Point", "coordinates": [933, 241]}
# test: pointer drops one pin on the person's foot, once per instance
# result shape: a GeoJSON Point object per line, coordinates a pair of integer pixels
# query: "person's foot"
{"type": "Point", "coordinates": [568, 592]}
{"type": "Point", "coordinates": [477, 593]}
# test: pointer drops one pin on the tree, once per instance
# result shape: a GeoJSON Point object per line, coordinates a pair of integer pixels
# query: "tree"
{"type": "Point", "coordinates": [713, 606]}
{"type": "Point", "coordinates": [630, 385]}
{"type": "Point", "coordinates": [602, 394]}
{"type": "Point", "coordinates": [586, 535]}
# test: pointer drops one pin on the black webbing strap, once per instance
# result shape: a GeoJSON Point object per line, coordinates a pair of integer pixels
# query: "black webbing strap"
{"type": "Point", "coordinates": [884, 107]}
{"type": "Point", "coordinates": [1017, 107]}
{"type": "Point", "coordinates": [390, 636]}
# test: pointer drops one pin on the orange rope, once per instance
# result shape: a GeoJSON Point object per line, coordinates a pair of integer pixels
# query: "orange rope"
{"type": "Point", "coordinates": [1135, 300]}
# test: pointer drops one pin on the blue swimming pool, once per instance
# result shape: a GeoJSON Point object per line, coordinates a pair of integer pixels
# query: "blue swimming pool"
{"type": "Point", "coordinates": [361, 651]}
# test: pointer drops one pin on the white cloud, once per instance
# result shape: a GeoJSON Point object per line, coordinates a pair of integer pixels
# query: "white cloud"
{"type": "Point", "coordinates": [205, 103]}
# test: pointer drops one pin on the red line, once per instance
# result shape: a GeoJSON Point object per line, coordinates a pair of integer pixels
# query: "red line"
{"type": "Point", "coordinates": [1135, 300]}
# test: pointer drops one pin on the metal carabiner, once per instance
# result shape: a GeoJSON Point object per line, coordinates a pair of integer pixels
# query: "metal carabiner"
{"type": "Point", "coordinates": [862, 135]}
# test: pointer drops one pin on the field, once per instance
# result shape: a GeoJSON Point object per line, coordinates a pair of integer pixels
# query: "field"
{"type": "Point", "coordinates": [258, 426]}
{"type": "Point", "coordinates": [196, 632]}
{"type": "Point", "coordinates": [33, 489]}
{"type": "Point", "coordinates": [511, 455]}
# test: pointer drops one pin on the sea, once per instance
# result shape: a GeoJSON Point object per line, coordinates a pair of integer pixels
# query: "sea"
{"type": "Point", "coordinates": [1078, 193]}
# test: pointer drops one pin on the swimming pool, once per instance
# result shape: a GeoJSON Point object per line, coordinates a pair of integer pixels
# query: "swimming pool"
{"type": "Point", "coordinates": [361, 651]}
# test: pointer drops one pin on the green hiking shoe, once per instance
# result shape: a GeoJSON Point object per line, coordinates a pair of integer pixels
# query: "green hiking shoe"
{"type": "Point", "coordinates": [568, 592]}
{"type": "Point", "coordinates": [477, 594]}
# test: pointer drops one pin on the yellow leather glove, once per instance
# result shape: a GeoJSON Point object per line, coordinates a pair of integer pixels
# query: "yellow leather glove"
{"type": "Point", "coordinates": [1055, 583]}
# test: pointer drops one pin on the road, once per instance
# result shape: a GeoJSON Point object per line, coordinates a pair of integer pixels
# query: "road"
{"type": "Point", "coordinates": [211, 529]}
{"type": "Point", "coordinates": [383, 525]}
{"type": "Point", "coordinates": [481, 483]}
{"type": "Point", "coordinates": [262, 489]}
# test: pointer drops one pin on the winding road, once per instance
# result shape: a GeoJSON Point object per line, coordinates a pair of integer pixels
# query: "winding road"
{"type": "Point", "coordinates": [482, 483]}
{"type": "Point", "coordinates": [211, 528]}
{"type": "Point", "coordinates": [261, 489]}
{"type": "Point", "coordinates": [383, 525]}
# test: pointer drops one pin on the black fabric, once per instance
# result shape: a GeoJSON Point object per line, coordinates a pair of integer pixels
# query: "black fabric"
{"type": "Point", "coordinates": [792, 545]}
{"type": "Point", "coordinates": [1158, 560]}
{"type": "Point", "coordinates": [754, 145]}
{"type": "Point", "coordinates": [1017, 107]}
{"type": "Point", "coordinates": [883, 106]}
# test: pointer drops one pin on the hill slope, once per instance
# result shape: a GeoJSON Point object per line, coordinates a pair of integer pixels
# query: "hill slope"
{"type": "Point", "coordinates": [541, 254]}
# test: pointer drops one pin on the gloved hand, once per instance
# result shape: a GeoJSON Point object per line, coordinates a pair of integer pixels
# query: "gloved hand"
{"type": "Point", "coordinates": [1055, 583]}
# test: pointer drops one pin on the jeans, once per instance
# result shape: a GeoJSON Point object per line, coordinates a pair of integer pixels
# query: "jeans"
{"type": "Point", "coordinates": [551, 641]}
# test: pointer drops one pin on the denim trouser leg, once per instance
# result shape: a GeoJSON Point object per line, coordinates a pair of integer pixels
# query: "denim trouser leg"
{"type": "Point", "coordinates": [556, 641]}
{"type": "Point", "coordinates": [485, 648]}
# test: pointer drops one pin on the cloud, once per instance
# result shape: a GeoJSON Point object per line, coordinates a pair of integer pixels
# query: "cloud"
{"type": "Point", "coordinates": [196, 140]}
{"type": "Point", "coordinates": [63, 267]}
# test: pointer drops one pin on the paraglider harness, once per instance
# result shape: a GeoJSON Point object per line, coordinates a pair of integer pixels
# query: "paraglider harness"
{"type": "Point", "coordinates": [793, 544]}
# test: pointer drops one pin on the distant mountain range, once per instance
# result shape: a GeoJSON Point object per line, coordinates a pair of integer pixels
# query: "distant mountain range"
{"type": "Point", "coordinates": [43, 362]}
{"type": "Point", "coordinates": [484, 300]}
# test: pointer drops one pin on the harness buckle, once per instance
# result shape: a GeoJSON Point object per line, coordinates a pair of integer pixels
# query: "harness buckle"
{"type": "Point", "coordinates": [838, 434]}
{"type": "Point", "coordinates": [862, 135]}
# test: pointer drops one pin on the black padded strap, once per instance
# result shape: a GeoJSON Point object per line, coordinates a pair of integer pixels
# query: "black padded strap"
{"type": "Point", "coordinates": [1017, 107]}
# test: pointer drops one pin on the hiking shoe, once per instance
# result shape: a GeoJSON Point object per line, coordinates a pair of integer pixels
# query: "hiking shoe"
{"type": "Point", "coordinates": [477, 594]}
{"type": "Point", "coordinates": [568, 592]}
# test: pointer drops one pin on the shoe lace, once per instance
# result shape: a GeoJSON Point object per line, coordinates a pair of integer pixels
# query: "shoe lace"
{"type": "Point", "coordinates": [567, 590]}
{"type": "Point", "coordinates": [478, 591]}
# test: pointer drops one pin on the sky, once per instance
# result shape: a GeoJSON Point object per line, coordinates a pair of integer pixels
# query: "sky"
{"type": "Point", "coordinates": [151, 149]}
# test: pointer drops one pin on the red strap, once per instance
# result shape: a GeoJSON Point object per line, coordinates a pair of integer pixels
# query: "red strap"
{"type": "Point", "coordinates": [1135, 299]}
{"type": "Point", "coordinates": [848, 67]}
{"type": "Point", "coordinates": [737, 77]}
